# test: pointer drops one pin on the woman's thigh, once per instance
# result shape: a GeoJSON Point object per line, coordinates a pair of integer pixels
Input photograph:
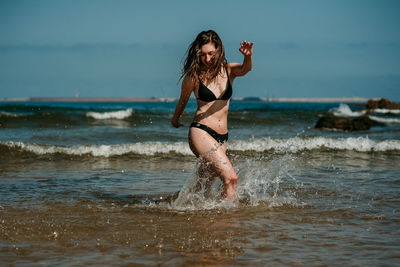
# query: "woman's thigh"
{"type": "Point", "coordinates": [211, 152]}
{"type": "Point", "coordinates": [201, 142]}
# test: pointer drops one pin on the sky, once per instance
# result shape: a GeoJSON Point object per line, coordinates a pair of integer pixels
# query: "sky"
{"type": "Point", "coordinates": [99, 48]}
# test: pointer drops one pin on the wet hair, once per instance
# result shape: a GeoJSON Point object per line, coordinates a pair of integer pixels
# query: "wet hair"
{"type": "Point", "coordinates": [192, 65]}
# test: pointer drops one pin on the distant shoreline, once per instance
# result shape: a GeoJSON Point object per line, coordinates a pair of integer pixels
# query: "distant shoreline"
{"type": "Point", "coordinates": [167, 99]}
{"type": "Point", "coordinates": [87, 99]}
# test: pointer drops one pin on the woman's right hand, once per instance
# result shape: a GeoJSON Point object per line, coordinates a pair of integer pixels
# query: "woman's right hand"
{"type": "Point", "coordinates": [175, 122]}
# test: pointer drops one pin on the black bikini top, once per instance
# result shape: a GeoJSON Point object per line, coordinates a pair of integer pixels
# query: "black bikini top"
{"type": "Point", "coordinates": [207, 95]}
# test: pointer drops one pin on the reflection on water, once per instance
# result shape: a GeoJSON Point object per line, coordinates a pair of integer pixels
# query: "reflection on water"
{"type": "Point", "coordinates": [103, 232]}
{"type": "Point", "coordinates": [301, 208]}
{"type": "Point", "coordinates": [87, 228]}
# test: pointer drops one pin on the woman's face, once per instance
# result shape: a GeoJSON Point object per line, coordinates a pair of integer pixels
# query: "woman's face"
{"type": "Point", "coordinates": [207, 54]}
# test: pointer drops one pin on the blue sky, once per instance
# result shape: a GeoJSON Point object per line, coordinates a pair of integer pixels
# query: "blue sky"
{"type": "Point", "coordinates": [101, 48]}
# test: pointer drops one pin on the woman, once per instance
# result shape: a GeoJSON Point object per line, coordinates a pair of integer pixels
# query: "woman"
{"type": "Point", "coordinates": [207, 74]}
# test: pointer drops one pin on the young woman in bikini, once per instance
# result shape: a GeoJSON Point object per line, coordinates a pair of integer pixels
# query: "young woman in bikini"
{"type": "Point", "coordinates": [207, 74]}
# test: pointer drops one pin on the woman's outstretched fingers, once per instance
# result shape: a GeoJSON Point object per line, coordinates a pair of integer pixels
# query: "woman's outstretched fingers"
{"type": "Point", "coordinates": [246, 48]}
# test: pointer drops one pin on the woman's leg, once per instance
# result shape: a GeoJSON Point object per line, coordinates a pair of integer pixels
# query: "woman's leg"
{"type": "Point", "coordinates": [205, 176]}
{"type": "Point", "coordinates": [213, 161]}
{"type": "Point", "coordinates": [223, 168]}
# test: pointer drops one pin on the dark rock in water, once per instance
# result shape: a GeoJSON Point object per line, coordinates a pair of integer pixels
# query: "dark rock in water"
{"type": "Point", "coordinates": [364, 123]}
{"type": "Point", "coordinates": [346, 124]}
{"type": "Point", "coordinates": [382, 103]}
{"type": "Point", "coordinates": [334, 123]}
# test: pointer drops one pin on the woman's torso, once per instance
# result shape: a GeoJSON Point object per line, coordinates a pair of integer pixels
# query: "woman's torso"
{"type": "Point", "coordinates": [214, 113]}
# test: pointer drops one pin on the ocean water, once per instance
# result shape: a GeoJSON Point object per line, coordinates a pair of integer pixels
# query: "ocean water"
{"type": "Point", "coordinates": [110, 184]}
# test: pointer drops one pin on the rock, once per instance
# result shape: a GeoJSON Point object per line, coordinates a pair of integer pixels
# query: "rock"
{"type": "Point", "coordinates": [364, 123]}
{"type": "Point", "coordinates": [334, 123]}
{"type": "Point", "coordinates": [382, 103]}
{"type": "Point", "coordinates": [346, 124]}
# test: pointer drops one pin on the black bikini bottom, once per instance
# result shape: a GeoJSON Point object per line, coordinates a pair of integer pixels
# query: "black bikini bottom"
{"type": "Point", "coordinates": [220, 138]}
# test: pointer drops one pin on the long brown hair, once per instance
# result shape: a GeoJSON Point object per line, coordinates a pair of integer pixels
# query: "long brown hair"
{"type": "Point", "coordinates": [192, 65]}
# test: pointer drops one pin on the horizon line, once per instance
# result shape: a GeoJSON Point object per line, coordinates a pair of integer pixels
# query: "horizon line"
{"type": "Point", "coordinates": [173, 99]}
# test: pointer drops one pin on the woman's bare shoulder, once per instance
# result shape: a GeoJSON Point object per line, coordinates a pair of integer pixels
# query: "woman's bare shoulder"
{"type": "Point", "coordinates": [188, 83]}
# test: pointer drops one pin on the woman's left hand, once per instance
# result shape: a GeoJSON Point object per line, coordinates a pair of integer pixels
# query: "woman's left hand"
{"type": "Point", "coordinates": [246, 48]}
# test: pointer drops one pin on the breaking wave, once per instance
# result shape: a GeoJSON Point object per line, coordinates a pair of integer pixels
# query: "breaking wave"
{"type": "Point", "coordinates": [387, 111]}
{"type": "Point", "coordinates": [7, 114]}
{"type": "Point", "coordinates": [296, 144]}
{"type": "Point", "coordinates": [145, 148]}
{"type": "Point", "coordinates": [119, 114]}
{"type": "Point", "coordinates": [291, 145]}
{"type": "Point", "coordinates": [345, 111]}
{"type": "Point", "coordinates": [384, 120]}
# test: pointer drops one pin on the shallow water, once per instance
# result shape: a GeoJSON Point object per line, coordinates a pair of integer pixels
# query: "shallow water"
{"type": "Point", "coordinates": [305, 197]}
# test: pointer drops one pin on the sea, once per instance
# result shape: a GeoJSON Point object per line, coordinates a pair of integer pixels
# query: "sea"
{"type": "Point", "coordinates": [111, 183]}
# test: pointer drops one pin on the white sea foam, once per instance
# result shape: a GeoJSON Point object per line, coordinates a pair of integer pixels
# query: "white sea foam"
{"type": "Point", "coordinates": [7, 114]}
{"type": "Point", "coordinates": [384, 120]}
{"type": "Point", "coordinates": [345, 111]}
{"type": "Point", "coordinates": [387, 111]}
{"type": "Point", "coordinates": [119, 114]}
{"type": "Point", "coordinates": [295, 144]}
{"type": "Point", "coordinates": [146, 148]}
{"type": "Point", "coordinates": [291, 145]}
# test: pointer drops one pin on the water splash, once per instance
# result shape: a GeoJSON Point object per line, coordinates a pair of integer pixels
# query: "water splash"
{"type": "Point", "coordinates": [199, 193]}
{"type": "Point", "coordinates": [262, 182]}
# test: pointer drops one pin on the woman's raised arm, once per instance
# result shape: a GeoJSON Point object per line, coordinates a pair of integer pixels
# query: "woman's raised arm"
{"type": "Point", "coordinates": [246, 48]}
